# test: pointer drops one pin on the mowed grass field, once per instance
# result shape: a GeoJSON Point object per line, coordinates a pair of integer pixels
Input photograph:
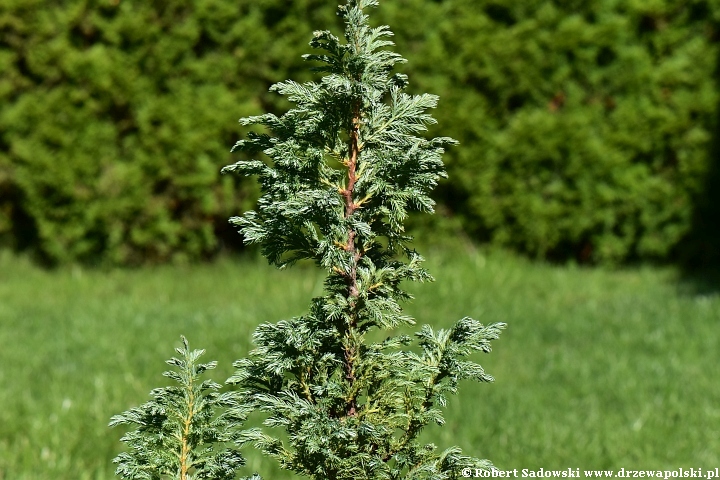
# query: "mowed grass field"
{"type": "Point", "coordinates": [598, 369]}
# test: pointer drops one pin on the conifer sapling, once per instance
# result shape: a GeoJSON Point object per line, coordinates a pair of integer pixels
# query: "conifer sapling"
{"type": "Point", "coordinates": [345, 167]}
{"type": "Point", "coordinates": [185, 432]}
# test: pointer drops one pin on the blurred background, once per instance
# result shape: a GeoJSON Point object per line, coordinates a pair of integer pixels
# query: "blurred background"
{"type": "Point", "coordinates": [590, 136]}
{"type": "Point", "coordinates": [586, 127]}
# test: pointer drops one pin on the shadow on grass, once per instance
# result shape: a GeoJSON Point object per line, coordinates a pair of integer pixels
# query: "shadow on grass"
{"type": "Point", "coordinates": [699, 282]}
{"type": "Point", "coordinates": [700, 255]}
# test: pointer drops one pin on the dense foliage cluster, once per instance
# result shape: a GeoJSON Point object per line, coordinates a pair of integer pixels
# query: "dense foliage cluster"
{"type": "Point", "coordinates": [585, 125]}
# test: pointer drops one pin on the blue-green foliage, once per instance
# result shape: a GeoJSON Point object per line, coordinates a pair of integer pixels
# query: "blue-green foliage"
{"type": "Point", "coordinates": [340, 171]}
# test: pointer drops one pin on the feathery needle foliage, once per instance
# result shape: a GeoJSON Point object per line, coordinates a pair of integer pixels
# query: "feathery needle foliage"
{"type": "Point", "coordinates": [346, 165]}
{"type": "Point", "coordinates": [179, 432]}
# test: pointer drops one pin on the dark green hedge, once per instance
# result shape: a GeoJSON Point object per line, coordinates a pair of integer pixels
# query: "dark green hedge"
{"type": "Point", "coordinates": [117, 116]}
{"type": "Point", "coordinates": [585, 125]}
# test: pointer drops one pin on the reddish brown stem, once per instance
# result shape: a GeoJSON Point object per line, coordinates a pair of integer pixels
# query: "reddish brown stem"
{"type": "Point", "coordinates": [353, 292]}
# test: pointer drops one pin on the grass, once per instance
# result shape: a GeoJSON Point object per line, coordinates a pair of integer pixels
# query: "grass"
{"type": "Point", "coordinates": [598, 369]}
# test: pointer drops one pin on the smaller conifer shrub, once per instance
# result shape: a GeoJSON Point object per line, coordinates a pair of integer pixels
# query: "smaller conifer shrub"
{"type": "Point", "coordinates": [186, 431]}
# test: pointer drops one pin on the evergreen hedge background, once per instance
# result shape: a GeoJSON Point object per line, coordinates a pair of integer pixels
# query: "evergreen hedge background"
{"type": "Point", "coordinates": [585, 126]}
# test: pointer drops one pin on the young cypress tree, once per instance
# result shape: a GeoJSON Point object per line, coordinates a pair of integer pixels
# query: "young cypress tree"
{"type": "Point", "coordinates": [346, 165]}
{"type": "Point", "coordinates": [186, 432]}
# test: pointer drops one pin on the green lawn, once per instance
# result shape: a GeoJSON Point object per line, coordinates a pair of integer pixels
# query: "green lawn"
{"type": "Point", "coordinates": [598, 369]}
